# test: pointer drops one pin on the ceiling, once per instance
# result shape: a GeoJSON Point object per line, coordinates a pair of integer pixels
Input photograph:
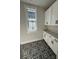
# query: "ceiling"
{"type": "Point", "coordinates": [42, 3]}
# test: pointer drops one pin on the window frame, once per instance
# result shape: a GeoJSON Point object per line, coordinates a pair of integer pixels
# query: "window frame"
{"type": "Point", "coordinates": [32, 10]}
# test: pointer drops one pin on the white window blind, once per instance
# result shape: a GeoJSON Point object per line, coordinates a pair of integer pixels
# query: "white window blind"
{"type": "Point", "coordinates": [32, 20]}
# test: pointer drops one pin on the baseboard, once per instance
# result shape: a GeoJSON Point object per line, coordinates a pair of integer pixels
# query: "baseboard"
{"type": "Point", "coordinates": [29, 41]}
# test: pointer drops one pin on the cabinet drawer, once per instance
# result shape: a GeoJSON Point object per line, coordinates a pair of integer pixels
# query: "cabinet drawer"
{"type": "Point", "coordinates": [54, 47]}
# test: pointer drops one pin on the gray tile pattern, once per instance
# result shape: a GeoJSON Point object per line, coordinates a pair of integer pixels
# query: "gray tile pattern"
{"type": "Point", "coordinates": [36, 50]}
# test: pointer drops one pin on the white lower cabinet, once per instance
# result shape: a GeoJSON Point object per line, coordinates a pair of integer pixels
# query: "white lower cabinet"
{"type": "Point", "coordinates": [51, 41]}
{"type": "Point", "coordinates": [54, 47]}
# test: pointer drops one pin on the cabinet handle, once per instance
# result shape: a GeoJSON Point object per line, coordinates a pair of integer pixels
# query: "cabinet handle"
{"type": "Point", "coordinates": [55, 40]}
{"type": "Point", "coordinates": [52, 42]}
{"type": "Point", "coordinates": [56, 22]}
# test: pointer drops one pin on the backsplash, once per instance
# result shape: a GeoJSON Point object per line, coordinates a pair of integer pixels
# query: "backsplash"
{"type": "Point", "coordinates": [52, 28]}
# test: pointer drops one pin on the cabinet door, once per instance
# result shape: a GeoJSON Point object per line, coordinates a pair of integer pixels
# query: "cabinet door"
{"type": "Point", "coordinates": [44, 35]}
{"type": "Point", "coordinates": [48, 16]}
{"type": "Point", "coordinates": [53, 44]}
{"type": "Point", "coordinates": [51, 41]}
{"type": "Point", "coordinates": [55, 49]}
{"type": "Point", "coordinates": [54, 12]}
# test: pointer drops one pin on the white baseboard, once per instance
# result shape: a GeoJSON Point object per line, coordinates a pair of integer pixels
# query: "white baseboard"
{"type": "Point", "coordinates": [29, 41]}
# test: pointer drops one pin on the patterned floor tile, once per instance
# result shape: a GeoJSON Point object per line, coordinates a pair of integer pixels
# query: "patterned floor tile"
{"type": "Point", "coordinates": [36, 50]}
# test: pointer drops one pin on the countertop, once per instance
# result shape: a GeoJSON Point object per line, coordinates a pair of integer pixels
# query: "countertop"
{"type": "Point", "coordinates": [52, 33]}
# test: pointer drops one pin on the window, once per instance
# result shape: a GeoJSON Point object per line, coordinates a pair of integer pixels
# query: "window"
{"type": "Point", "coordinates": [32, 21]}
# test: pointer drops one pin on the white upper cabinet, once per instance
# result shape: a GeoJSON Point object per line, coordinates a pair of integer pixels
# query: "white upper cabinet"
{"type": "Point", "coordinates": [54, 12]}
{"type": "Point", "coordinates": [48, 16]}
{"type": "Point", "coordinates": [51, 15]}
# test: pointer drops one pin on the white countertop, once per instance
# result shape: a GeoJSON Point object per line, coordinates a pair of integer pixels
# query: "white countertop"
{"type": "Point", "coordinates": [52, 33]}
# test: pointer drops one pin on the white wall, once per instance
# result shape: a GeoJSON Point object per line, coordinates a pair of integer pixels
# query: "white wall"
{"type": "Point", "coordinates": [24, 35]}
